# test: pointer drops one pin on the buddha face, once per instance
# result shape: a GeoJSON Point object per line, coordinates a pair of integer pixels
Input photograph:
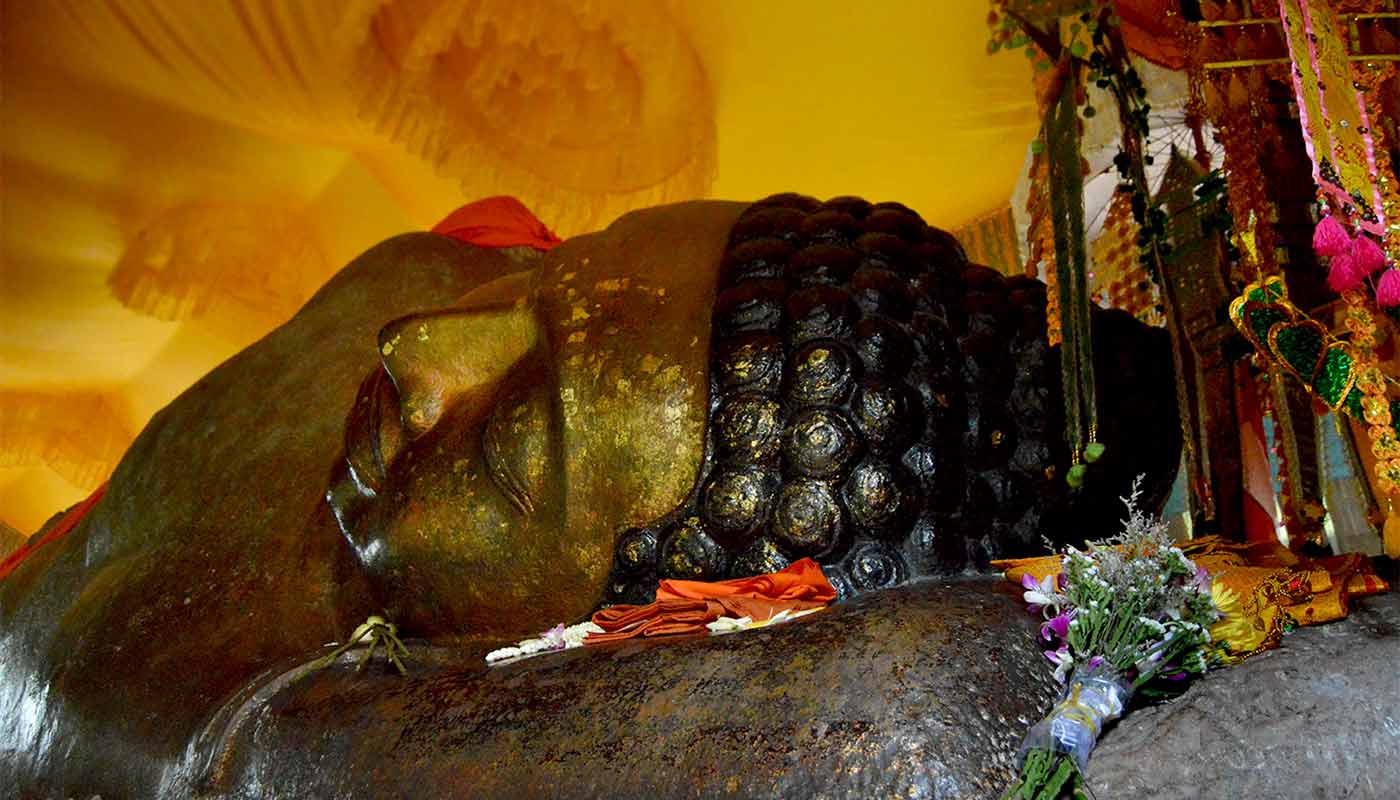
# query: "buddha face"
{"type": "Point", "coordinates": [492, 460]}
{"type": "Point", "coordinates": [684, 395]}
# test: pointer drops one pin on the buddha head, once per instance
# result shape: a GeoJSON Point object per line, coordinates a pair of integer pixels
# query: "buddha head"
{"type": "Point", "coordinates": [710, 390]}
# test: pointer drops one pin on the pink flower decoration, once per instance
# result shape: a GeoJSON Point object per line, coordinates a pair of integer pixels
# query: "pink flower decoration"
{"type": "Point", "coordinates": [1330, 238]}
{"type": "Point", "coordinates": [554, 637]}
{"type": "Point", "coordinates": [1342, 273]}
{"type": "Point", "coordinates": [1366, 255]}
{"type": "Point", "coordinates": [1056, 627]}
{"type": "Point", "coordinates": [1388, 291]}
{"type": "Point", "coordinates": [1201, 580]}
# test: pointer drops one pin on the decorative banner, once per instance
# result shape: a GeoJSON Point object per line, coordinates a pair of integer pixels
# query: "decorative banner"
{"type": "Point", "coordinates": [992, 240]}
{"type": "Point", "coordinates": [583, 110]}
{"type": "Point", "coordinates": [255, 264]}
{"type": "Point", "coordinates": [1333, 121]}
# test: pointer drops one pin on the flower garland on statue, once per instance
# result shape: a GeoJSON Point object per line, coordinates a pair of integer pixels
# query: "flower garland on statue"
{"type": "Point", "coordinates": [1131, 614]}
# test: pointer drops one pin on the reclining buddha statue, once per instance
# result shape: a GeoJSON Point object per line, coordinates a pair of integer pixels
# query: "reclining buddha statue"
{"type": "Point", "coordinates": [477, 443]}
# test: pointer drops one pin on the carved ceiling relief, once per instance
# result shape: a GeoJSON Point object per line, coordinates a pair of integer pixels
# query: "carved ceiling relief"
{"type": "Point", "coordinates": [586, 111]}
{"type": "Point", "coordinates": [79, 435]}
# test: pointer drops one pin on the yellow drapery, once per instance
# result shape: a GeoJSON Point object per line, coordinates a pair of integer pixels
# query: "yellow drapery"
{"type": "Point", "coordinates": [132, 126]}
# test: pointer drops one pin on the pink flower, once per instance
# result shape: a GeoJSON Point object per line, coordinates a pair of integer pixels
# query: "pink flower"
{"type": "Point", "coordinates": [1056, 627]}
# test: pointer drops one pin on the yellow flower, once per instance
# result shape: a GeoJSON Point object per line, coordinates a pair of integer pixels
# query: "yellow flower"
{"type": "Point", "coordinates": [1238, 631]}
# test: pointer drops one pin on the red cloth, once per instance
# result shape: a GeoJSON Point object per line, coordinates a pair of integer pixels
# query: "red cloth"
{"type": "Point", "coordinates": [685, 607]}
{"type": "Point", "coordinates": [1259, 522]}
{"type": "Point", "coordinates": [497, 222]}
{"type": "Point", "coordinates": [1151, 29]}
{"type": "Point", "coordinates": [69, 521]}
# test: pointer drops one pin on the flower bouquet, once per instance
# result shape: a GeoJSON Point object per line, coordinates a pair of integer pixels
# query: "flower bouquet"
{"type": "Point", "coordinates": [1131, 615]}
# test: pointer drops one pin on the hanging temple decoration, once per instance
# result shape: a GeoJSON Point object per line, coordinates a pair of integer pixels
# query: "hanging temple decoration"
{"type": "Point", "coordinates": [1340, 60]}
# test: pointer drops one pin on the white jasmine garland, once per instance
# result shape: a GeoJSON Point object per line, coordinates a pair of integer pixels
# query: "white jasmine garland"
{"type": "Point", "coordinates": [559, 637]}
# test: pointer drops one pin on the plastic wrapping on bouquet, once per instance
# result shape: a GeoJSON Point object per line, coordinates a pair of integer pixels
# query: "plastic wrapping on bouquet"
{"type": "Point", "coordinates": [1094, 696]}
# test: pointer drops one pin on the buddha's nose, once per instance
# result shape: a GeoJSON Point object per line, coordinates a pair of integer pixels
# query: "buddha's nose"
{"type": "Point", "coordinates": [433, 358]}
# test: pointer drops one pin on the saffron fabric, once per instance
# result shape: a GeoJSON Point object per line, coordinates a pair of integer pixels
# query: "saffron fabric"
{"type": "Point", "coordinates": [497, 222]}
{"type": "Point", "coordinates": [1276, 585]}
{"type": "Point", "coordinates": [686, 607]}
{"type": "Point", "coordinates": [803, 580]}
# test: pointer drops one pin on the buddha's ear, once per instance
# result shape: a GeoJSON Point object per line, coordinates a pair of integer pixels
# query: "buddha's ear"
{"type": "Point", "coordinates": [437, 356]}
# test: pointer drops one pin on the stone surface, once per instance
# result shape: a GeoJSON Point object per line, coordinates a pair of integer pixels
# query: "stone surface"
{"type": "Point", "coordinates": [921, 691]}
{"type": "Point", "coordinates": [1317, 718]}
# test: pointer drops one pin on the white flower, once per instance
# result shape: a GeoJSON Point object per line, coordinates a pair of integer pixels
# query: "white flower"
{"type": "Point", "coordinates": [1063, 662]}
{"type": "Point", "coordinates": [729, 624]}
{"type": "Point", "coordinates": [1041, 594]}
{"type": "Point", "coordinates": [732, 624]}
{"type": "Point", "coordinates": [502, 654]}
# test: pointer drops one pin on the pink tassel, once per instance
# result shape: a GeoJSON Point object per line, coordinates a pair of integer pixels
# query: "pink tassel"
{"type": "Point", "coordinates": [1366, 255]}
{"type": "Point", "coordinates": [1342, 273]}
{"type": "Point", "coordinates": [1330, 238]}
{"type": "Point", "coordinates": [1388, 291]}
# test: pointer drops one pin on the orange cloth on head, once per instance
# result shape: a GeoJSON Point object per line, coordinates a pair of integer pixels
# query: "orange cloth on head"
{"type": "Point", "coordinates": [497, 222]}
{"type": "Point", "coordinates": [803, 580]}
{"type": "Point", "coordinates": [60, 529]}
{"type": "Point", "coordinates": [686, 607]}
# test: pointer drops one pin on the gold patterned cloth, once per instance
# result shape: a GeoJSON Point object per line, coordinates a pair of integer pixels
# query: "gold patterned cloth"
{"type": "Point", "coordinates": [1262, 588]}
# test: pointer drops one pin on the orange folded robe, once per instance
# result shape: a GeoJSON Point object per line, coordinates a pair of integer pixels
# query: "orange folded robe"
{"type": "Point", "coordinates": [686, 607]}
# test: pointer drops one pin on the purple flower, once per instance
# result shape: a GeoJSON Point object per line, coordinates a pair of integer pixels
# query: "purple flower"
{"type": "Point", "coordinates": [1056, 627]}
{"type": "Point", "coordinates": [1201, 581]}
{"type": "Point", "coordinates": [554, 637]}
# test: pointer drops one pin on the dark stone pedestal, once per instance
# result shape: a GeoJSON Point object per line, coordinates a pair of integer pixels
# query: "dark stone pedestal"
{"type": "Point", "coordinates": [920, 692]}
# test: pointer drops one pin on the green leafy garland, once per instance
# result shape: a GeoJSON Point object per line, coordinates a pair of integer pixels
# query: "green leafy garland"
{"type": "Point", "coordinates": [1028, 24]}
